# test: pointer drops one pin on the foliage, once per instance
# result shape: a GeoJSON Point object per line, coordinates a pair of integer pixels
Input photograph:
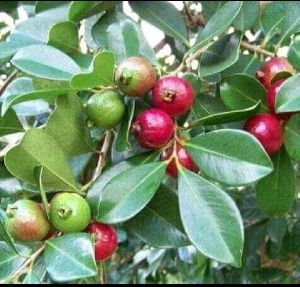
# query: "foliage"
{"type": "Point", "coordinates": [238, 221]}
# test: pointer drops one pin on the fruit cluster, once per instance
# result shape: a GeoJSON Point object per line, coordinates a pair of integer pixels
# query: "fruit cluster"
{"type": "Point", "coordinates": [171, 97]}
{"type": "Point", "coordinates": [268, 128]}
{"type": "Point", "coordinates": [27, 220]}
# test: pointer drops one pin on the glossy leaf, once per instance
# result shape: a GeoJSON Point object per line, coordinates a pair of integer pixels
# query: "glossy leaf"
{"type": "Point", "coordinates": [230, 156]}
{"type": "Point", "coordinates": [10, 261]}
{"type": "Point", "coordinates": [223, 54]}
{"type": "Point", "coordinates": [10, 124]}
{"type": "Point", "coordinates": [38, 148]}
{"type": "Point", "coordinates": [276, 193]}
{"type": "Point", "coordinates": [45, 62]}
{"type": "Point", "coordinates": [48, 9]}
{"type": "Point", "coordinates": [70, 257]}
{"type": "Point", "coordinates": [164, 16]}
{"type": "Point", "coordinates": [100, 73]}
{"type": "Point", "coordinates": [217, 24]}
{"type": "Point", "coordinates": [281, 17]}
{"type": "Point", "coordinates": [294, 55]}
{"type": "Point", "coordinates": [211, 219]}
{"type": "Point", "coordinates": [117, 33]}
{"type": "Point", "coordinates": [129, 192]}
{"type": "Point", "coordinates": [226, 117]}
{"type": "Point", "coordinates": [288, 96]}
{"type": "Point", "coordinates": [64, 36]}
{"type": "Point", "coordinates": [159, 224]}
{"type": "Point", "coordinates": [241, 91]}
{"type": "Point", "coordinates": [292, 137]}
{"type": "Point", "coordinates": [95, 192]}
{"type": "Point", "coordinates": [67, 126]}
{"type": "Point", "coordinates": [123, 143]}
{"type": "Point", "coordinates": [5, 236]}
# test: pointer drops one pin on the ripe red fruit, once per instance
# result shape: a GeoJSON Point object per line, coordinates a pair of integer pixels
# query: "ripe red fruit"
{"type": "Point", "coordinates": [153, 129]}
{"type": "Point", "coordinates": [183, 158]}
{"type": "Point", "coordinates": [135, 76]}
{"type": "Point", "coordinates": [273, 70]}
{"type": "Point", "coordinates": [271, 99]}
{"type": "Point", "coordinates": [173, 95]}
{"type": "Point", "coordinates": [268, 129]}
{"type": "Point", "coordinates": [106, 240]}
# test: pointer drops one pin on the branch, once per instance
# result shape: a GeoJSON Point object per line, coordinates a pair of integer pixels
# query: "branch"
{"type": "Point", "coordinates": [8, 81]}
{"type": "Point", "coordinates": [257, 49]}
{"type": "Point", "coordinates": [103, 155]}
{"type": "Point", "coordinates": [29, 261]}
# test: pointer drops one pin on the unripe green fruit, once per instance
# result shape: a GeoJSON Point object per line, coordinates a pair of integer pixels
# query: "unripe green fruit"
{"type": "Point", "coordinates": [135, 76]}
{"type": "Point", "coordinates": [26, 221]}
{"type": "Point", "coordinates": [106, 109]}
{"type": "Point", "coordinates": [70, 213]}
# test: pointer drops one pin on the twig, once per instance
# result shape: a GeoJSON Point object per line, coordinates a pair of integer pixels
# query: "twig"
{"type": "Point", "coordinates": [256, 49]}
{"type": "Point", "coordinates": [103, 155]}
{"type": "Point", "coordinates": [8, 81]}
{"type": "Point", "coordinates": [29, 261]}
{"type": "Point", "coordinates": [188, 60]}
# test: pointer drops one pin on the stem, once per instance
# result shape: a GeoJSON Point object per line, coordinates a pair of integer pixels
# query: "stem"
{"type": "Point", "coordinates": [188, 60]}
{"type": "Point", "coordinates": [27, 263]}
{"type": "Point", "coordinates": [8, 81]}
{"type": "Point", "coordinates": [257, 49]}
{"type": "Point", "coordinates": [103, 155]}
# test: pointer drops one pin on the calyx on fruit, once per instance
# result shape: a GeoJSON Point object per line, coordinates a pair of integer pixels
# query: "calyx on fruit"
{"type": "Point", "coordinates": [153, 129]}
{"type": "Point", "coordinates": [173, 95]}
{"type": "Point", "coordinates": [135, 76]}
{"type": "Point", "coordinates": [180, 157]}
{"type": "Point", "coordinates": [106, 109]}
{"type": "Point", "coordinates": [27, 221]}
{"type": "Point", "coordinates": [69, 213]}
{"type": "Point", "coordinates": [268, 129]}
{"type": "Point", "coordinates": [273, 70]}
{"type": "Point", "coordinates": [106, 240]}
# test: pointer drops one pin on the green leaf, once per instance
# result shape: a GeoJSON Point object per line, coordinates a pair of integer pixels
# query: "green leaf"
{"type": "Point", "coordinates": [164, 16]}
{"type": "Point", "coordinates": [276, 193]}
{"type": "Point", "coordinates": [10, 261]}
{"type": "Point", "coordinates": [53, 10]}
{"type": "Point", "coordinates": [241, 92]}
{"type": "Point", "coordinates": [64, 36]}
{"type": "Point", "coordinates": [9, 186]}
{"type": "Point", "coordinates": [100, 73]}
{"type": "Point", "coordinates": [82, 9]}
{"type": "Point", "coordinates": [10, 124]}
{"type": "Point", "coordinates": [67, 126]}
{"type": "Point", "coordinates": [248, 15]}
{"type": "Point", "coordinates": [246, 64]}
{"type": "Point", "coordinates": [159, 224]}
{"type": "Point", "coordinates": [31, 279]}
{"type": "Point", "coordinates": [38, 148]}
{"type": "Point", "coordinates": [118, 33]}
{"type": "Point", "coordinates": [5, 236]}
{"type": "Point", "coordinates": [22, 90]}
{"type": "Point", "coordinates": [292, 137]}
{"type": "Point", "coordinates": [38, 173]}
{"type": "Point", "coordinates": [217, 24]}
{"type": "Point", "coordinates": [211, 219]}
{"type": "Point", "coordinates": [288, 96]}
{"type": "Point", "coordinates": [45, 62]}
{"type": "Point", "coordinates": [129, 192]}
{"type": "Point", "coordinates": [223, 54]}
{"type": "Point", "coordinates": [226, 117]}
{"type": "Point", "coordinates": [70, 257]}
{"type": "Point", "coordinates": [233, 157]}
{"type": "Point", "coordinates": [281, 18]}
{"type": "Point", "coordinates": [294, 54]}
{"type": "Point", "coordinates": [122, 143]}
{"type": "Point", "coordinates": [94, 193]}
